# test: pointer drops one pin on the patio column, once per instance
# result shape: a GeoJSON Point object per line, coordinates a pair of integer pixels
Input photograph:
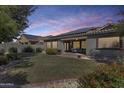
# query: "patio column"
{"type": "Point", "coordinates": [91, 45]}
{"type": "Point", "coordinates": [45, 45]}
{"type": "Point", "coordinates": [51, 44]}
{"type": "Point", "coordinates": [61, 46]}
{"type": "Point", "coordinates": [123, 42]}
{"type": "Point", "coordinates": [80, 44]}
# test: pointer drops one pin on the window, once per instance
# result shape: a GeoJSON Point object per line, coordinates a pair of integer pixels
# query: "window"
{"type": "Point", "coordinates": [109, 42]}
{"type": "Point", "coordinates": [54, 44]}
{"type": "Point", "coordinates": [76, 44]}
{"type": "Point", "coordinates": [48, 44]}
{"type": "Point", "coordinates": [66, 45]}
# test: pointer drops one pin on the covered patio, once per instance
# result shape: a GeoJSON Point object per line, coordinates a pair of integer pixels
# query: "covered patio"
{"type": "Point", "coordinates": [75, 45]}
{"type": "Point", "coordinates": [74, 41]}
{"type": "Point", "coordinates": [87, 40]}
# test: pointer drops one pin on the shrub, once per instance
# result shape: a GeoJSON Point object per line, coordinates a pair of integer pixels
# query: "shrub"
{"type": "Point", "coordinates": [120, 59]}
{"type": "Point", "coordinates": [106, 76]}
{"type": "Point", "coordinates": [3, 60]}
{"type": "Point", "coordinates": [58, 51]}
{"type": "Point", "coordinates": [13, 56]}
{"type": "Point", "coordinates": [51, 51]}
{"type": "Point", "coordinates": [38, 50]}
{"type": "Point", "coordinates": [13, 50]}
{"type": "Point", "coordinates": [2, 51]}
{"type": "Point", "coordinates": [28, 49]}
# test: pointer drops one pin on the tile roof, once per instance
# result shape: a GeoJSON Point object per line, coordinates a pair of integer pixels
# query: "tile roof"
{"type": "Point", "coordinates": [75, 33]}
{"type": "Point", "coordinates": [91, 31]}
{"type": "Point", "coordinates": [82, 30]}
{"type": "Point", "coordinates": [32, 37]}
{"type": "Point", "coordinates": [108, 28]}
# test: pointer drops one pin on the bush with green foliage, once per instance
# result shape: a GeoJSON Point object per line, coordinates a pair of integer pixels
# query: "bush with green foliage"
{"type": "Point", "coordinates": [38, 50]}
{"type": "Point", "coordinates": [8, 27]}
{"type": "Point", "coordinates": [2, 51]}
{"type": "Point", "coordinates": [105, 76]}
{"type": "Point", "coordinates": [51, 51]}
{"type": "Point", "coordinates": [13, 21]}
{"type": "Point", "coordinates": [3, 60]}
{"type": "Point", "coordinates": [59, 52]}
{"type": "Point", "coordinates": [28, 49]}
{"type": "Point", "coordinates": [14, 56]}
{"type": "Point", "coordinates": [13, 50]}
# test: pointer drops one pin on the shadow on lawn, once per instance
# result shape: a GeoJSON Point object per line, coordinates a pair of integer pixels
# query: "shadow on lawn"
{"type": "Point", "coordinates": [13, 80]}
{"type": "Point", "coordinates": [24, 65]}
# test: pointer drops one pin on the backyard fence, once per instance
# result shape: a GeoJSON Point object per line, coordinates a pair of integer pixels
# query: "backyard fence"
{"type": "Point", "coordinates": [19, 46]}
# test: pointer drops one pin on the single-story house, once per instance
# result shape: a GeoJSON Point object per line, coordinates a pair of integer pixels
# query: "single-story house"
{"type": "Point", "coordinates": [87, 39]}
{"type": "Point", "coordinates": [30, 39]}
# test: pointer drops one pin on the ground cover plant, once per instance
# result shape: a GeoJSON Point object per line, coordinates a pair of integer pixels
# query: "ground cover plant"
{"type": "Point", "coordinates": [105, 76]}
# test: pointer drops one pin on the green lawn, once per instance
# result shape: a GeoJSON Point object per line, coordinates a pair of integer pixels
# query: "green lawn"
{"type": "Point", "coordinates": [50, 67]}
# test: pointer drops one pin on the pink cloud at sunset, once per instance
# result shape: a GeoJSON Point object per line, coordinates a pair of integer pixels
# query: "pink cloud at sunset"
{"type": "Point", "coordinates": [55, 20]}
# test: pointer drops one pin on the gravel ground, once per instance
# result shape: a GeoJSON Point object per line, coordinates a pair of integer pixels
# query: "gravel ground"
{"type": "Point", "coordinates": [66, 83]}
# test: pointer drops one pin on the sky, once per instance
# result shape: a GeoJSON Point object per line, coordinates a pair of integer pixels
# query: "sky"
{"type": "Point", "coordinates": [55, 20]}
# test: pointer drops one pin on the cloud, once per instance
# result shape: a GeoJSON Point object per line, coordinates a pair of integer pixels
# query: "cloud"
{"type": "Point", "coordinates": [58, 32]}
{"type": "Point", "coordinates": [56, 26]}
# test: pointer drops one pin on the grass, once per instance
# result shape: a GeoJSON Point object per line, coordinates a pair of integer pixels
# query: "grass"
{"type": "Point", "coordinates": [50, 67]}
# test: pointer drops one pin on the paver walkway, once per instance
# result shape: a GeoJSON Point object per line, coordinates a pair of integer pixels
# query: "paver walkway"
{"type": "Point", "coordinates": [75, 55]}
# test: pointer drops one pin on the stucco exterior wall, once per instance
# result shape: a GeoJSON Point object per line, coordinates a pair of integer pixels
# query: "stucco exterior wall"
{"type": "Point", "coordinates": [61, 46]}
{"type": "Point", "coordinates": [45, 45]}
{"type": "Point", "coordinates": [91, 44]}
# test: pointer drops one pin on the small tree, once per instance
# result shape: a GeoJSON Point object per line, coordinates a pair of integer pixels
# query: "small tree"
{"type": "Point", "coordinates": [13, 21]}
{"type": "Point", "coordinates": [13, 50]}
{"type": "Point", "coordinates": [120, 25]}
{"type": "Point", "coordinates": [8, 27]}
